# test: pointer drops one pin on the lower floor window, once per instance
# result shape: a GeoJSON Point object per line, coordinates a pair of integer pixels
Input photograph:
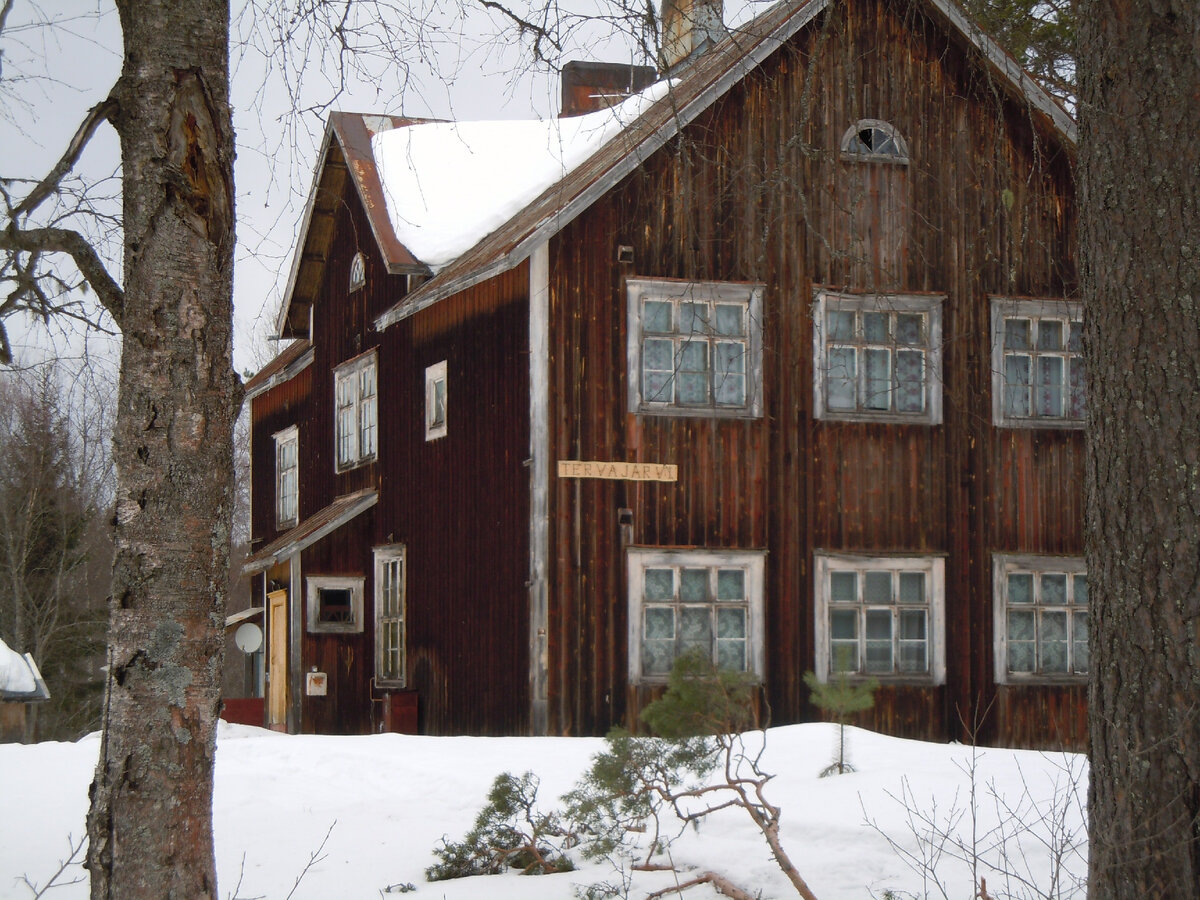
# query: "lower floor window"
{"type": "Point", "coordinates": [1041, 618]}
{"type": "Point", "coordinates": [389, 616]}
{"type": "Point", "coordinates": [880, 616]}
{"type": "Point", "coordinates": [702, 601]}
{"type": "Point", "coordinates": [335, 604]}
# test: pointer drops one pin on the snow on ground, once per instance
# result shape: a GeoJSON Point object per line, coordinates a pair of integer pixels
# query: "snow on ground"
{"type": "Point", "coordinates": [386, 800]}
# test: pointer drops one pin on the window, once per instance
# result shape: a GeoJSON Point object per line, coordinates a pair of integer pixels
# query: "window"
{"type": "Point", "coordinates": [358, 272]}
{"type": "Point", "coordinates": [695, 348]}
{"type": "Point", "coordinates": [880, 616]}
{"type": "Point", "coordinates": [389, 616]}
{"type": "Point", "coordinates": [1037, 364]}
{"type": "Point", "coordinates": [335, 604]}
{"type": "Point", "coordinates": [681, 600]}
{"type": "Point", "coordinates": [435, 401]}
{"type": "Point", "coordinates": [1041, 618]}
{"type": "Point", "coordinates": [874, 139]}
{"type": "Point", "coordinates": [355, 412]}
{"type": "Point", "coordinates": [287, 477]}
{"type": "Point", "coordinates": [877, 357]}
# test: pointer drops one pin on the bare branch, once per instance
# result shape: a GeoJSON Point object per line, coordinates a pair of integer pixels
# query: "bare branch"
{"type": "Point", "coordinates": [525, 28]}
{"type": "Point", "coordinates": [62, 240]}
{"type": "Point", "coordinates": [99, 113]}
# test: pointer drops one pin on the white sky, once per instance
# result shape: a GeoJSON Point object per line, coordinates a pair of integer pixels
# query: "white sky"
{"type": "Point", "coordinates": [466, 68]}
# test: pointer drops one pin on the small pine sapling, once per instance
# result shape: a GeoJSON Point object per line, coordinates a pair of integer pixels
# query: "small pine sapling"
{"type": "Point", "coordinates": [841, 698]}
{"type": "Point", "coordinates": [509, 833]}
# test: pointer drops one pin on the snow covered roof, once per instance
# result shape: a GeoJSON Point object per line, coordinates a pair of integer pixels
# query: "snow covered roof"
{"type": "Point", "coordinates": [19, 676]}
{"type": "Point", "coordinates": [449, 184]}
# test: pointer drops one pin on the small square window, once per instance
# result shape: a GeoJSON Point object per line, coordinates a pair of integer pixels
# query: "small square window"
{"type": "Point", "coordinates": [877, 358]}
{"type": "Point", "coordinates": [1038, 378]}
{"type": "Point", "coordinates": [1041, 619]}
{"type": "Point", "coordinates": [435, 401]}
{"type": "Point", "coordinates": [335, 604]}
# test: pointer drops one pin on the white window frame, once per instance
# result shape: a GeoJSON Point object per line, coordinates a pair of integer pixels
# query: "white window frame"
{"type": "Point", "coordinates": [677, 292]}
{"type": "Point", "coordinates": [391, 616]}
{"type": "Point", "coordinates": [287, 478]}
{"type": "Point", "coordinates": [356, 412]}
{"type": "Point", "coordinates": [1004, 565]}
{"type": "Point", "coordinates": [934, 569]}
{"type": "Point", "coordinates": [358, 272]}
{"type": "Point", "coordinates": [751, 562]}
{"type": "Point", "coordinates": [314, 584]}
{"type": "Point", "coordinates": [852, 152]}
{"type": "Point", "coordinates": [435, 376]}
{"type": "Point", "coordinates": [1064, 313]}
{"type": "Point", "coordinates": [894, 306]}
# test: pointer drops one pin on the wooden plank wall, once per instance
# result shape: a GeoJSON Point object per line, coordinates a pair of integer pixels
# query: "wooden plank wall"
{"type": "Point", "coordinates": [756, 190]}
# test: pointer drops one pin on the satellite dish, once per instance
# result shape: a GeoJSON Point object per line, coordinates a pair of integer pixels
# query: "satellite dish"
{"type": "Point", "coordinates": [248, 637]}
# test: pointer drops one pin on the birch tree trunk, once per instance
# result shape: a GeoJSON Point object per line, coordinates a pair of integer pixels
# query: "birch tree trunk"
{"type": "Point", "coordinates": [150, 824]}
{"type": "Point", "coordinates": [1139, 181]}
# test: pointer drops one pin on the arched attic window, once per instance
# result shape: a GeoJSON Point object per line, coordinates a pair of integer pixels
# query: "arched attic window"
{"type": "Point", "coordinates": [874, 139]}
{"type": "Point", "coordinates": [358, 272]}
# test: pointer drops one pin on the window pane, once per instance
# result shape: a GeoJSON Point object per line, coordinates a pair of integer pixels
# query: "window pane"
{"type": "Point", "coordinates": [1081, 590]}
{"type": "Point", "coordinates": [731, 623]}
{"type": "Point", "coordinates": [1050, 334]}
{"type": "Point", "coordinates": [1016, 334]}
{"type": "Point", "coordinates": [660, 584]}
{"type": "Point", "coordinates": [730, 390]}
{"type": "Point", "coordinates": [914, 657]}
{"type": "Point", "coordinates": [657, 657]}
{"type": "Point", "coordinates": [1020, 657]}
{"type": "Point", "coordinates": [1054, 626]}
{"type": "Point", "coordinates": [1017, 371]}
{"type": "Point", "coordinates": [335, 605]}
{"type": "Point", "coordinates": [840, 325]}
{"type": "Point", "coordinates": [1054, 589]}
{"type": "Point", "coordinates": [843, 587]}
{"type": "Point", "coordinates": [660, 623]}
{"type": "Point", "coordinates": [909, 327]}
{"type": "Point", "coordinates": [1078, 389]}
{"type": "Point", "coordinates": [660, 387]}
{"type": "Point", "coordinates": [910, 381]}
{"type": "Point", "coordinates": [1079, 628]}
{"type": "Point", "coordinates": [912, 587]}
{"type": "Point", "coordinates": [843, 624]}
{"type": "Point", "coordinates": [879, 641]}
{"type": "Point", "coordinates": [879, 625]}
{"type": "Point", "coordinates": [912, 625]}
{"type": "Point", "coordinates": [875, 327]}
{"type": "Point", "coordinates": [845, 656]}
{"type": "Point", "coordinates": [1020, 626]}
{"type": "Point", "coordinates": [658, 354]}
{"type": "Point", "coordinates": [841, 378]}
{"type": "Point", "coordinates": [730, 319]}
{"type": "Point", "coordinates": [695, 629]}
{"type": "Point", "coordinates": [877, 587]}
{"type": "Point", "coordinates": [693, 585]}
{"type": "Point", "coordinates": [693, 356]}
{"type": "Point", "coordinates": [1050, 386]}
{"type": "Point", "coordinates": [692, 381]}
{"type": "Point", "coordinates": [879, 379]}
{"type": "Point", "coordinates": [693, 318]}
{"type": "Point", "coordinates": [1020, 587]}
{"type": "Point", "coordinates": [731, 584]}
{"type": "Point", "coordinates": [729, 382]}
{"type": "Point", "coordinates": [1075, 341]}
{"type": "Point", "coordinates": [656, 317]}
{"type": "Point", "coordinates": [731, 655]}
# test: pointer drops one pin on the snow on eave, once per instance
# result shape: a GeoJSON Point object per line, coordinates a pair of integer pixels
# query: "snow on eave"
{"type": "Point", "coordinates": [20, 679]}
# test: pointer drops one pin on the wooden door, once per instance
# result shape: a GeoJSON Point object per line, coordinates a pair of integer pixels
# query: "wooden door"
{"type": "Point", "coordinates": [277, 669]}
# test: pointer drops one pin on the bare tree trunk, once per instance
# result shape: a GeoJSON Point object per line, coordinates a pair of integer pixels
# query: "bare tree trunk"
{"type": "Point", "coordinates": [1140, 195]}
{"type": "Point", "coordinates": [150, 825]}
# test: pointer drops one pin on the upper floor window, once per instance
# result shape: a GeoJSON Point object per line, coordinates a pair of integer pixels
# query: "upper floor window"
{"type": "Point", "coordinates": [335, 604]}
{"type": "Point", "coordinates": [694, 600]}
{"type": "Point", "coordinates": [287, 477]}
{"type": "Point", "coordinates": [1037, 364]}
{"type": "Point", "coordinates": [880, 616]}
{"type": "Point", "coordinates": [1041, 618]}
{"type": "Point", "coordinates": [435, 401]}
{"type": "Point", "coordinates": [695, 347]}
{"type": "Point", "coordinates": [874, 139]}
{"type": "Point", "coordinates": [390, 638]}
{"type": "Point", "coordinates": [877, 357]}
{"type": "Point", "coordinates": [358, 272]}
{"type": "Point", "coordinates": [356, 430]}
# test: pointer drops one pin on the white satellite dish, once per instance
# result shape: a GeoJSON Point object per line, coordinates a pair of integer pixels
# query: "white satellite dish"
{"type": "Point", "coordinates": [248, 637]}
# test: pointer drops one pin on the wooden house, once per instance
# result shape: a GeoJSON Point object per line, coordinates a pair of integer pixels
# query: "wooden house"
{"type": "Point", "coordinates": [785, 368]}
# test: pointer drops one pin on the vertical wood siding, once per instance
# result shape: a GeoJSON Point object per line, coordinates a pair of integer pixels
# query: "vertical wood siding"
{"type": "Point", "coordinates": [757, 190]}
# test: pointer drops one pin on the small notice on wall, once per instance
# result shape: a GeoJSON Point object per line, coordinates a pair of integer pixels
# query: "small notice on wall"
{"type": "Point", "coordinates": [316, 684]}
{"type": "Point", "coordinates": [618, 471]}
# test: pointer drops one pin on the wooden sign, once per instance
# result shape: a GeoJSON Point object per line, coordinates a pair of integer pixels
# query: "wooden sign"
{"type": "Point", "coordinates": [618, 471]}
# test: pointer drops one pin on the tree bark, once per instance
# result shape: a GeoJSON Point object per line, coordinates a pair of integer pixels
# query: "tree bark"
{"type": "Point", "coordinates": [150, 823]}
{"type": "Point", "coordinates": [1140, 252]}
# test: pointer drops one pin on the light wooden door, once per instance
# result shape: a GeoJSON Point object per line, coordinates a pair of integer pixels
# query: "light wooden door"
{"type": "Point", "coordinates": [277, 694]}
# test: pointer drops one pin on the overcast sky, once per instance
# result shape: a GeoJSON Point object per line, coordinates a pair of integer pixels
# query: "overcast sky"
{"type": "Point", "coordinates": [61, 57]}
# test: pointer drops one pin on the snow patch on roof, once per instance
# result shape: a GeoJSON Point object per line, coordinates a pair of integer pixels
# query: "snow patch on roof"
{"type": "Point", "coordinates": [450, 184]}
{"type": "Point", "coordinates": [15, 674]}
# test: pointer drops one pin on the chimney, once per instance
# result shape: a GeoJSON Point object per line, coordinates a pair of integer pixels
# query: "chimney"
{"type": "Point", "coordinates": [689, 28]}
{"type": "Point", "coordinates": [591, 86]}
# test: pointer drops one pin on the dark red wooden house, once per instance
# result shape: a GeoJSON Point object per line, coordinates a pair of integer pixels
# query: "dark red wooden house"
{"type": "Point", "coordinates": [786, 370]}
